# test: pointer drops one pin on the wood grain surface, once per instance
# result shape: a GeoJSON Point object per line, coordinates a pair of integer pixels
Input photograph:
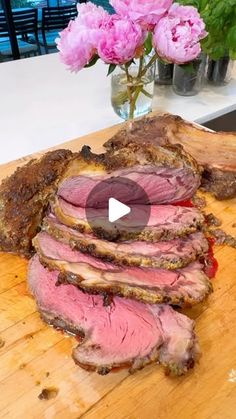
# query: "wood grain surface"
{"type": "Point", "coordinates": [34, 356]}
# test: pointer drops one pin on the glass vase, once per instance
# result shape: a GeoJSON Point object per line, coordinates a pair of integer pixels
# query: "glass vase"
{"type": "Point", "coordinates": [132, 89]}
{"type": "Point", "coordinates": [189, 81]}
{"type": "Point", "coordinates": [219, 72]}
{"type": "Point", "coordinates": [164, 73]}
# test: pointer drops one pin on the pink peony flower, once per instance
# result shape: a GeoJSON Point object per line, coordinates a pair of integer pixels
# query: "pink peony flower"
{"type": "Point", "coordinates": [76, 49]}
{"type": "Point", "coordinates": [120, 40]}
{"type": "Point", "coordinates": [91, 16]}
{"type": "Point", "coordinates": [147, 12]}
{"type": "Point", "coordinates": [78, 42]}
{"type": "Point", "coordinates": [177, 35]}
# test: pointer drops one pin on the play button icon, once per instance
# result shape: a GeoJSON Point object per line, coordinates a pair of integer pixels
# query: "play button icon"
{"type": "Point", "coordinates": [116, 210]}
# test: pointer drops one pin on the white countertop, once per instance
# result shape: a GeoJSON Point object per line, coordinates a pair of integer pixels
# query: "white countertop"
{"type": "Point", "coordinates": [42, 104]}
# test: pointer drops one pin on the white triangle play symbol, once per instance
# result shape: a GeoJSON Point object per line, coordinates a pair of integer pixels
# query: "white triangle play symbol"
{"type": "Point", "coordinates": [117, 210]}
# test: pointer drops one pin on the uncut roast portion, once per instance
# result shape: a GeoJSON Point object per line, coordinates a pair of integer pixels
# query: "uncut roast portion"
{"type": "Point", "coordinates": [215, 152]}
{"type": "Point", "coordinates": [114, 291]}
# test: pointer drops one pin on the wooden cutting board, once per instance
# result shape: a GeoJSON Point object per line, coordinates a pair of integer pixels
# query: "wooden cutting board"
{"type": "Point", "coordinates": [34, 356]}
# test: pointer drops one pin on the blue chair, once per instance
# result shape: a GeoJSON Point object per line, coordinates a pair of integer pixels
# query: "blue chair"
{"type": "Point", "coordinates": [105, 4]}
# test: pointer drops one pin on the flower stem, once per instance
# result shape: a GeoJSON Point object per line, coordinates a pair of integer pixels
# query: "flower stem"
{"type": "Point", "coordinates": [135, 85]}
{"type": "Point", "coordinates": [133, 102]}
{"type": "Point", "coordinates": [151, 62]}
{"type": "Point", "coordinates": [129, 93]}
{"type": "Point", "coordinates": [146, 93]}
{"type": "Point", "coordinates": [134, 91]}
{"type": "Point", "coordinates": [140, 67]}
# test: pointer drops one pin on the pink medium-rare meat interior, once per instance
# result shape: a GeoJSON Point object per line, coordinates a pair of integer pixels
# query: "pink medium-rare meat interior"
{"type": "Point", "coordinates": [95, 274]}
{"type": "Point", "coordinates": [179, 251]}
{"type": "Point", "coordinates": [169, 217]}
{"type": "Point", "coordinates": [126, 332]}
{"type": "Point", "coordinates": [162, 185]}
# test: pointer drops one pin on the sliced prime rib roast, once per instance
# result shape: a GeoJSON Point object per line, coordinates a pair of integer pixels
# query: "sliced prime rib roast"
{"type": "Point", "coordinates": [166, 173]}
{"type": "Point", "coordinates": [171, 254]}
{"type": "Point", "coordinates": [214, 151]}
{"type": "Point", "coordinates": [24, 195]}
{"type": "Point", "coordinates": [186, 286]}
{"type": "Point", "coordinates": [124, 334]}
{"type": "Point", "coordinates": [166, 222]}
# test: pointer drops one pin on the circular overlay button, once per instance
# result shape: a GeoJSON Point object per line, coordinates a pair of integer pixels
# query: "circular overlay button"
{"type": "Point", "coordinates": [117, 209]}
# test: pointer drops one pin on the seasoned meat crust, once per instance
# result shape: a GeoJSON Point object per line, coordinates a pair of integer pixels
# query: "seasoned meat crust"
{"type": "Point", "coordinates": [180, 294]}
{"type": "Point", "coordinates": [171, 254]}
{"type": "Point", "coordinates": [214, 151]}
{"type": "Point", "coordinates": [132, 153]}
{"type": "Point", "coordinates": [221, 184]}
{"type": "Point", "coordinates": [24, 198]}
{"type": "Point", "coordinates": [179, 221]}
{"type": "Point", "coordinates": [209, 149]}
{"type": "Point", "coordinates": [183, 287]}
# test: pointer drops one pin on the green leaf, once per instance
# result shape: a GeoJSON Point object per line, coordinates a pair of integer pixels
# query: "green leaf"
{"type": "Point", "coordinates": [219, 9]}
{"type": "Point", "coordinates": [218, 51]}
{"type": "Point", "coordinates": [232, 54]}
{"type": "Point", "coordinates": [163, 61]}
{"type": "Point", "coordinates": [148, 44]}
{"type": "Point", "coordinates": [111, 68]}
{"type": "Point", "coordinates": [202, 5]}
{"type": "Point", "coordinates": [231, 38]}
{"type": "Point", "coordinates": [92, 61]}
{"type": "Point", "coordinates": [189, 68]}
{"type": "Point", "coordinates": [194, 3]}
